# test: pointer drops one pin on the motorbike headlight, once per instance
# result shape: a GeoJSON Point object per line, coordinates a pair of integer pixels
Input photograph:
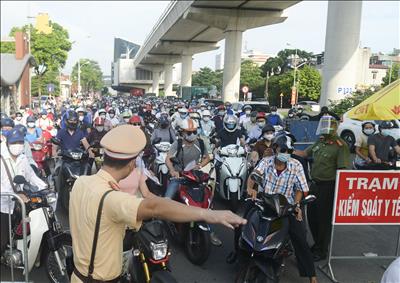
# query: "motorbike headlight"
{"type": "Point", "coordinates": [159, 250]}
{"type": "Point", "coordinates": [232, 151]}
{"type": "Point", "coordinates": [76, 155]}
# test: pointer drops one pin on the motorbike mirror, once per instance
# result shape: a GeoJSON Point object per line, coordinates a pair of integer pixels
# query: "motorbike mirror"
{"type": "Point", "coordinates": [20, 180]}
{"type": "Point", "coordinates": [308, 199]}
{"type": "Point", "coordinates": [55, 141]}
{"type": "Point", "coordinates": [257, 178]}
{"type": "Point", "coordinates": [156, 141]}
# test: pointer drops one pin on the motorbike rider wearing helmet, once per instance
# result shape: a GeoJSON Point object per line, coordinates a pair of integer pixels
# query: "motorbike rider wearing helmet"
{"type": "Point", "coordinates": [256, 132]}
{"type": "Point", "coordinates": [379, 146]}
{"type": "Point", "coordinates": [183, 115]}
{"type": "Point", "coordinates": [163, 131]}
{"type": "Point", "coordinates": [285, 175]}
{"type": "Point", "coordinates": [126, 117]}
{"type": "Point", "coordinates": [16, 163]}
{"type": "Point", "coordinates": [83, 119]}
{"type": "Point", "coordinates": [33, 133]}
{"type": "Point", "coordinates": [245, 117]}
{"type": "Point", "coordinates": [290, 118]}
{"type": "Point", "coordinates": [231, 132]}
{"type": "Point", "coordinates": [207, 126]}
{"type": "Point", "coordinates": [7, 124]}
{"type": "Point", "coordinates": [263, 148]}
{"type": "Point", "coordinates": [361, 145]}
{"type": "Point", "coordinates": [148, 116]}
{"type": "Point", "coordinates": [185, 150]}
{"type": "Point", "coordinates": [18, 118]}
{"type": "Point", "coordinates": [218, 119]}
{"type": "Point", "coordinates": [112, 118]}
{"type": "Point", "coordinates": [45, 123]}
{"type": "Point", "coordinates": [273, 118]}
{"type": "Point", "coordinates": [251, 123]}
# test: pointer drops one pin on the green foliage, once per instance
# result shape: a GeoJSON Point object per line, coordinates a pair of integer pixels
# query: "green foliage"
{"type": "Point", "coordinates": [207, 78]}
{"type": "Point", "coordinates": [309, 83]}
{"type": "Point", "coordinates": [342, 106]}
{"type": "Point", "coordinates": [50, 77]}
{"type": "Point", "coordinates": [250, 75]}
{"type": "Point", "coordinates": [279, 64]}
{"type": "Point", "coordinates": [395, 74]}
{"type": "Point", "coordinates": [91, 75]}
{"type": "Point", "coordinates": [7, 47]}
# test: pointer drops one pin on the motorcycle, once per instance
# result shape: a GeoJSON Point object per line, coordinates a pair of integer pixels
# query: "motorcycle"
{"type": "Point", "coordinates": [46, 242]}
{"type": "Point", "coordinates": [233, 174]}
{"type": "Point", "coordinates": [264, 240]}
{"type": "Point", "coordinates": [160, 167]}
{"type": "Point", "coordinates": [74, 164]}
{"type": "Point", "coordinates": [40, 154]}
{"type": "Point", "coordinates": [146, 255]}
{"type": "Point", "coordinates": [195, 235]}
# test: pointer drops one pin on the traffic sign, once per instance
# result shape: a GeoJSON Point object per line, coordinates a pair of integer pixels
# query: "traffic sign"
{"type": "Point", "coordinates": [50, 87]}
{"type": "Point", "coordinates": [245, 89]}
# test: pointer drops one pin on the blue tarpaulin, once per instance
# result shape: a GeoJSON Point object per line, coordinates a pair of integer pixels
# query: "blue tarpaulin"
{"type": "Point", "coordinates": [304, 132]}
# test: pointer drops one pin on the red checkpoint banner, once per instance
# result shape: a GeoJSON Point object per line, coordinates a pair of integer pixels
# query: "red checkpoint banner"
{"type": "Point", "coordinates": [367, 198]}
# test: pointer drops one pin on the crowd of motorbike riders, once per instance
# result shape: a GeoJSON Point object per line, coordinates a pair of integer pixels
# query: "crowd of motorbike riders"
{"type": "Point", "coordinates": [243, 155]}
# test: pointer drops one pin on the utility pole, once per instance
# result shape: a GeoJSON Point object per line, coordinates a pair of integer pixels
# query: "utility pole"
{"type": "Point", "coordinates": [79, 76]}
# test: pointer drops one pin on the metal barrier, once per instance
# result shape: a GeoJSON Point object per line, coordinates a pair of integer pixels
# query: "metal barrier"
{"type": "Point", "coordinates": [24, 220]}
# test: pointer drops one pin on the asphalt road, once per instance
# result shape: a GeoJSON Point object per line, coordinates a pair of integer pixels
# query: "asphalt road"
{"type": "Point", "coordinates": [348, 240]}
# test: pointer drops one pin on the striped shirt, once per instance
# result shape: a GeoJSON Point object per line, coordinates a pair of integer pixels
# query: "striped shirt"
{"type": "Point", "coordinates": [290, 180]}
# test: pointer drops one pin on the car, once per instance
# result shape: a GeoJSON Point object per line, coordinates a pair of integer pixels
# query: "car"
{"type": "Point", "coordinates": [349, 129]}
{"type": "Point", "coordinates": [314, 106]}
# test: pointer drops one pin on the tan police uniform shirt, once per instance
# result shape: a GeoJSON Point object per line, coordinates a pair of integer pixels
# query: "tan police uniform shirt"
{"type": "Point", "coordinates": [119, 210]}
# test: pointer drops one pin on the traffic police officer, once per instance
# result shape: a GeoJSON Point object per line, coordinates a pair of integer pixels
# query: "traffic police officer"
{"type": "Point", "coordinates": [329, 154]}
{"type": "Point", "coordinates": [121, 147]}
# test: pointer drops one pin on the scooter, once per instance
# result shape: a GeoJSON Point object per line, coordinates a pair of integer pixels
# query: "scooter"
{"type": "Point", "coordinates": [195, 235]}
{"type": "Point", "coordinates": [46, 242]}
{"type": "Point", "coordinates": [74, 163]}
{"type": "Point", "coordinates": [146, 255]}
{"type": "Point", "coordinates": [233, 174]}
{"type": "Point", "coordinates": [160, 167]}
{"type": "Point", "coordinates": [264, 240]}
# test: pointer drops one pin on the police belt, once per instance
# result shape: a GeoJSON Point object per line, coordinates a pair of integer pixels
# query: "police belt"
{"type": "Point", "coordinates": [86, 279]}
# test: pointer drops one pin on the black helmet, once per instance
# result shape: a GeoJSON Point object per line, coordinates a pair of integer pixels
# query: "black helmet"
{"type": "Point", "coordinates": [268, 128]}
{"type": "Point", "coordinates": [284, 142]}
{"type": "Point", "coordinates": [71, 118]}
{"type": "Point", "coordinates": [386, 125]}
{"type": "Point", "coordinates": [30, 118]}
{"type": "Point", "coordinates": [7, 122]}
{"type": "Point", "coordinates": [274, 108]}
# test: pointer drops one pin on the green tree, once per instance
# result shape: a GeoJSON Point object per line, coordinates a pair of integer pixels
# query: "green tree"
{"type": "Point", "coordinates": [49, 50]}
{"type": "Point", "coordinates": [207, 78]}
{"type": "Point", "coordinates": [250, 75]}
{"type": "Point", "coordinates": [309, 83]}
{"type": "Point", "coordinates": [50, 77]}
{"type": "Point", "coordinates": [280, 63]}
{"type": "Point", "coordinates": [342, 106]}
{"type": "Point", "coordinates": [91, 75]}
{"type": "Point", "coordinates": [395, 72]}
{"type": "Point", "coordinates": [7, 47]}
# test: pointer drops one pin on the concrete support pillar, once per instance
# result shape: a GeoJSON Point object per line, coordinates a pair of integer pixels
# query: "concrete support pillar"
{"type": "Point", "coordinates": [168, 79]}
{"type": "Point", "coordinates": [186, 75]}
{"type": "Point", "coordinates": [156, 80]}
{"type": "Point", "coordinates": [341, 56]}
{"type": "Point", "coordinates": [232, 60]}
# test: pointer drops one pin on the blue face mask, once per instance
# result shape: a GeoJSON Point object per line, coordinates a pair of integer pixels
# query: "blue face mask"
{"type": "Point", "coordinates": [230, 126]}
{"type": "Point", "coordinates": [283, 157]}
{"type": "Point", "coordinates": [385, 132]}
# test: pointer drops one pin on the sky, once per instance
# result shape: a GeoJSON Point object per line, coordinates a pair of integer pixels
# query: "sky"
{"type": "Point", "coordinates": [93, 26]}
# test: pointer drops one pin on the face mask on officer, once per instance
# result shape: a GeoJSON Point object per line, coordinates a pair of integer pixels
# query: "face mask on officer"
{"type": "Point", "coordinates": [16, 148]}
{"type": "Point", "coordinates": [327, 126]}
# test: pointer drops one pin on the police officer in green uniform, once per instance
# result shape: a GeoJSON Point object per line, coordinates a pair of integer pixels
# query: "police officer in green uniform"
{"type": "Point", "coordinates": [330, 153]}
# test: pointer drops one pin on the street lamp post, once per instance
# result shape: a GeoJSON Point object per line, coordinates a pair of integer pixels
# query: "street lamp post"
{"type": "Point", "coordinates": [294, 88]}
{"type": "Point", "coordinates": [79, 75]}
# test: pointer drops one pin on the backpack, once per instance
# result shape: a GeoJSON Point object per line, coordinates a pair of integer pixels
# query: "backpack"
{"type": "Point", "coordinates": [180, 147]}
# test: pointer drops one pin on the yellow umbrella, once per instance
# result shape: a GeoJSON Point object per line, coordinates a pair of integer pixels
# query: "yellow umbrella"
{"type": "Point", "coordinates": [383, 105]}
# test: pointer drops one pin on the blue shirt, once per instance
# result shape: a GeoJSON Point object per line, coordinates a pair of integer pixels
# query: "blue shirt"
{"type": "Point", "coordinates": [34, 136]}
{"type": "Point", "coordinates": [69, 141]}
{"type": "Point", "coordinates": [274, 120]}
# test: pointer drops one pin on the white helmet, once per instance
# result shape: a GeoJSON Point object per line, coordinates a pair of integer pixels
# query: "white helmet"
{"type": "Point", "coordinates": [230, 123]}
{"type": "Point", "coordinates": [183, 110]}
{"type": "Point", "coordinates": [80, 109]}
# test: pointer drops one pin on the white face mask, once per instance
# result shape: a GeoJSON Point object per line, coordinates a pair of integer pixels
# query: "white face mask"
{"type": "Point", "coordinates": [206, 118]}
{"type": "Point", "coordinates": [268, 136]}
{"type": "Point", "coordinates": [44, 116]}
{"type": "Point", "coordinates": [126, 120]}
{"type": "Point", "coordinates": [31, 125]}
{"type": "Point", "coordinates": [369, 131]}
{"type": "Point", "coordinates": [16, 149]}
{"type": "Point", "coordinates": [273, 112]}
{"type": "Point", "coordinates": [248, 112]}
{"type": "Point", "coordinates": [18, 118]}
{"type": "Point", "coordinates": [103, 116]}
{"type": "Point", "coordinates": [81, 118]}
